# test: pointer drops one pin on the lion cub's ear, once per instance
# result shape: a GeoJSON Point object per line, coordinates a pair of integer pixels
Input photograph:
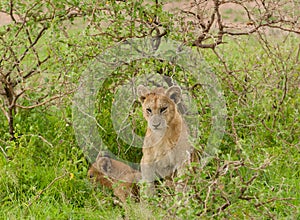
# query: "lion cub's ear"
{"type": "Point", "coordinates": [142, 91]}
{"type": "Point", "coordinates": [174, 93]}
{"type": "Point", "coordinates": [104, 164]}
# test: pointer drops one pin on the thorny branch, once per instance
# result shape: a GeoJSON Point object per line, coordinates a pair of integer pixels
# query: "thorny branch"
{"type": "Point", "coordinates": [215, 188]}
{"type": "Point", "coordinates": [208, 19]}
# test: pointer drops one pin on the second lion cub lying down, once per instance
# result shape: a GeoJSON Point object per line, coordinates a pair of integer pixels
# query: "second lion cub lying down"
{"type": "Point", "coordinates": [116, 175]}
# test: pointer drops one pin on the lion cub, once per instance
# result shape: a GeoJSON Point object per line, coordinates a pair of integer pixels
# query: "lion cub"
{"type": "Point", "coordinates": [118, 176]}
{"type": "Point", "coordinates": [166, 149]}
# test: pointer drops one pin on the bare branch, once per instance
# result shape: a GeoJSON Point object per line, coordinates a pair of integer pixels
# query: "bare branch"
{"type": "Point", "coordinates": [46, 101]}
{"type": "Point", "coordinates": [40, 34]}
{"type": "Point", "coordinates": [11, 11]}
{"type": "Point", "coordinates": [273, 200]}
{"type": "Point", "coordinates": [46, 188]}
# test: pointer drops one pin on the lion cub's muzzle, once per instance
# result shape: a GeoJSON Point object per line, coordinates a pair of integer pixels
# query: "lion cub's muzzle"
{"type": "Point", "coordinates": [156, 123]}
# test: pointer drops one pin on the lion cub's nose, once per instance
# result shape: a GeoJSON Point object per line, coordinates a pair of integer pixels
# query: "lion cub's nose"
{"type": "Point", "coordinates": [156, 125]}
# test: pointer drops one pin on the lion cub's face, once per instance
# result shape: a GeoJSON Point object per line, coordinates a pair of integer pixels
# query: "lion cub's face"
{"type": "Point", "coordinates": [107, 168]}
{"type": "Point", "coordinates": [159, 106]}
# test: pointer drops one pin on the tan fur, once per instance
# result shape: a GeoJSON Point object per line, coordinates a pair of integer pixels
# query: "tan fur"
{"type": "Point", "coordinates": [118, 176]}
{"type": "Point", "coordinates": [166, 149]}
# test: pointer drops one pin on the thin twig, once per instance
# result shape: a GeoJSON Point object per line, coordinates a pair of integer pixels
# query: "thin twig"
{"type": "Point", "coordinates": [46, 188]}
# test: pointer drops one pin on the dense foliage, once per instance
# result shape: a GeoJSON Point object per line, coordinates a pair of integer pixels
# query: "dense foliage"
{"type": "Point", "coordinates": [253, 47]}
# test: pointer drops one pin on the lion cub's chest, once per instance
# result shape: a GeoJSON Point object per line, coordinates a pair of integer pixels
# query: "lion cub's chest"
{"type": "Point", "coordinates": [155, 151]}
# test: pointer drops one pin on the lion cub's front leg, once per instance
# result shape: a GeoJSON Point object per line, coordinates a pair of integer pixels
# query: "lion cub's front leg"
{"type": "Point", "coordinates": [147, 187]}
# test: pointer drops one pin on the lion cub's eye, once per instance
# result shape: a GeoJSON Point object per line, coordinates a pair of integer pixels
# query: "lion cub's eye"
{"type": "Point", "coordinates": [149, 110]}
{"type": "Point", "coordinates": [162, 110]}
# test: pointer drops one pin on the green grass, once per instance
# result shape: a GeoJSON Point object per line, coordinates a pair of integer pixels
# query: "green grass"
{"type": "Point", "coordinates": [44, 174]}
